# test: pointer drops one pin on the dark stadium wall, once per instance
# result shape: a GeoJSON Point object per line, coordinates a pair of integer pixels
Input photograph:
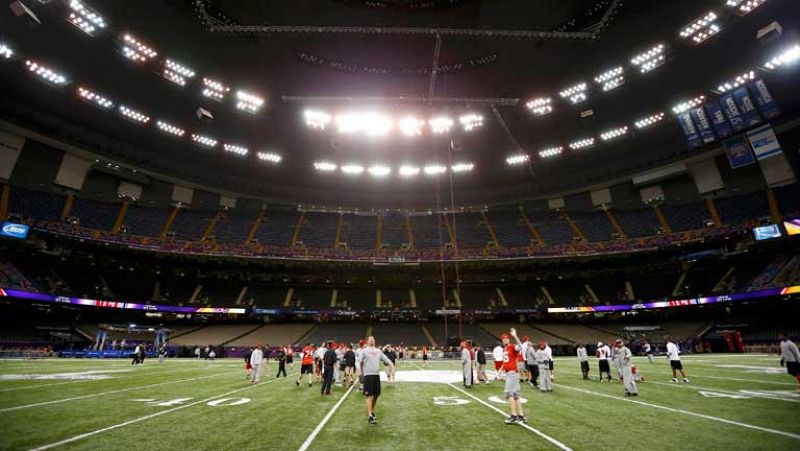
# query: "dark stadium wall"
{"type": "Point", "coordinates": [156, 194]}
{"type": "Point", "coordinates": [625, 196]}
{"type": "Point", "coordinates": [680, 190]}
{"type": "Point", "coordinates": [100, 186]}
{"type": "Point", "coordinates": [37, 166]}
{"type": "Point", "coordinates": [205, 200]}
{"type": "Point", "coordinates": [578, 202]}
{"type": "Point", "coordinates": [744, 179]}
{"type": "Point", "coordinates": [248, 205]}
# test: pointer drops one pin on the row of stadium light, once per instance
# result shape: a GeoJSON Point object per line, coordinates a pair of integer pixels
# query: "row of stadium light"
{"type": "Point", "coordinates": [381, 170]}
{"type": "Point", "coordinates": [695, 32]}
{"type": "Point", "coordinates": [379, 124]}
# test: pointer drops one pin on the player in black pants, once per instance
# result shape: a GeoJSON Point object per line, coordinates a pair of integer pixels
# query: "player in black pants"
{"type": "Point", "coordinates": [328, 361]}
{"type": "Point", "coordinates": [281, 363]}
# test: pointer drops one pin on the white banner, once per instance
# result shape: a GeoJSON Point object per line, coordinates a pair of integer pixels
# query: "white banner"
{"type": "Point", "coordinates": [764, 142]}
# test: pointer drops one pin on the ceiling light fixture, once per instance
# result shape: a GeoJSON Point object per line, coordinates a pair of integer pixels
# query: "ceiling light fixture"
{"type": "Point", "coordinates": [136, 51]}
{"type": "Point", "coordinates": [550, 152]}
{"type": "Point", "coordinates": [575, 94]}
{"type": "Point", "coordinates": [94, 98]}
{"type": "Point", "coordinates": [581, 143]}
{"type": "Point", "coordinates": [650, 59]}
{"type": "Point", "coordinates": [611, 79]}
{"type": "Point", "coordinates": [540, 106]}
{"type": "Point", "coordinates": [649, 120]}
{"type": "Point", "coordinates": [514, 160]}
{"type": "Point", "coordinates": [204, 140]}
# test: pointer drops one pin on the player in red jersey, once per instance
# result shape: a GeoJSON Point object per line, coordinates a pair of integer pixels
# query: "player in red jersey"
{"type": "Point", "coordinates": [511, 354]}
{"type": "Point", "coordinates": [307, 364]}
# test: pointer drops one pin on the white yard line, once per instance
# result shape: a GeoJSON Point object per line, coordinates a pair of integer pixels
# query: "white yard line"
{"type": "Point", "coordinates": [110, 392]}
{"type": "Point", "coordinates": [146, 417]}
{"type": "Point", "coordinates": [134, 373]}
{"type": "Point", "coordinates": [685, 412]}
{"type": "Point", "coordinates": [324, 421]}
{"type": "Point", "coordinates": [555, 442]}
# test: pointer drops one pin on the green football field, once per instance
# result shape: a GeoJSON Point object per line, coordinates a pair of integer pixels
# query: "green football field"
{"type": "Point", "coordinates": [734, 402]}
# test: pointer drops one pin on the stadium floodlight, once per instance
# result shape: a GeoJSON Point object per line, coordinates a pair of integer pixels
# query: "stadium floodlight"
{"type": "Point", "coordinates": [204, 140]}
{"type": "Point", "coordinates": [176, 72]}
{"type": "Point", "coordinates": [169, 128]}
{"type": "Point", "coordinates": [650, 59]}
{"type": "Point", "coordinates": [550, 152]}
{"type": "Point", "coordinates": [440, 125]}
{"type": "Point", "coordinates": [614, 133]}
{"type": "Point", "coordinates": [744, 6]}
{"type": "Point", "coordinates": [5, 51]}
{"type": "Point", "coordinates": [408, 170]}
{"type": "Point", "coordinates": [462, 167]}
{"type": "Point", "coordinates": [379, 170]}
{"type": "Point", "coordinates": [649, 120]}
{"type": "Point", "coordinates": [540, 106]}
{"type": "Point", "coordinates": [237, 149]}
{"type": "Point", "coordinates": [248, 102]}
{"type": "Point", "coordinates": [788, 56]}
{"type": "Point", "coordinates": [701, 29]}
{"type": "Point", "coordinates": [410, 126]}
{"type": "Point", "coordinates": [214, 90]}
{"type": "Point", "coordinates": [270, 157]}
{"type": "Point", "coordinates": [325, 166]}
{"type": "Point", "coordinates": [85, 18]}
{"type": "Point", "coordinates": [348, 123]}
{"type": "Point", "coordinates": [94, 98]}
{"type": "Point", "coordinates": [352, 169]}
{"type": "Point", "coordinates": [133, 115]}
{"type": "Point", "coordinates": [434, 169]}
{"type": "Point", "coordinates": [514, 160]}
{"type": "Point", "coordinates": [581, 143]}
{"type": "Point", "coordinates": [688, 105]}
{"type": "Point", "coordinates": [136, 51]}
{"type": "Point", "coordinates": [610, 79]}
{"type": "Point", "coordinates": [575, 93]}
{"type": "Point", "coordinates": [736, 82]}
{"type": "Point", "coordinates": [46, 74]}
{"type": "Point", "coordinates": [376, 124]}
{"type": "Point", "coordinates": [317, 119]}
{"type": "Point", "coordinates": [471, 121]}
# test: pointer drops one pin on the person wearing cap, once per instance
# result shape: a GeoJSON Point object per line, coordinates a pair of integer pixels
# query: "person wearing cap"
{"type": "Point", "coordinates": [624, 357]}
{"type": "Point", "coordinates": [466, 364]}
{"type": "Point", "coordinates": [255, 364]}
{"type": "Point", "coordinates": [543, 357]}
{"type": "Point", "coordinates": [583, 358]}
{"type": "Point", "coordinates": [497, 357]}
{"type": "Point", "coordinates": [512, 387]}
{"type": "Point", "coordinates": [530, 361]}
{"type": "Point", "coordinates": [603, 353]}
{"type": "Point", "coordinates": [524, 374]}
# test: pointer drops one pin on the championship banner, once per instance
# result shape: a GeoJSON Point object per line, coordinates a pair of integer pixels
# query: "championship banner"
{"type": "Point", "coordinates": [732, 113]}
{"type": "Point", "coordinates": [689, 130]}
{"type": "Point", "coordinates": [718, 121]}
{"type": "Point", "coordinates": [703, 125]}
{"type": "Point", "coordinates": [764, 142]}
{"type": "Point", "coordinates": [746, 107]}
{"type": "Point", "coordinates": [767, 106]}
{"type": "Point", "coordinates": [738, 151]}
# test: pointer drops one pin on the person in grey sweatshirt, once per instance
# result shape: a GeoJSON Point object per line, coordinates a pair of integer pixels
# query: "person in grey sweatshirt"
{"type": "Point", "coordinates": [583, 358]}
{"type": "Point", "coordinates": [466, 364]}
{"type": "Point", "coordinates": [624, 357]}
{"type": "Point", "coordinates": [790, 357]}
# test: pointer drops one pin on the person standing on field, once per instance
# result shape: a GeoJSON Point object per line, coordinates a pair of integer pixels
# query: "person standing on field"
{"type": "Point", "coordinates": [673, 353]}
{"type": "Point", "coordinates": [328, 365]}
{"type": "Point", "coordinates": [466, 364]}
{"type": "Point", "coordinates": [790, 357]}
{"type": "Point", "coordinates": [371, 357]}
{"type": "Point", "coordinates": [281, 362]}
{"type": "Point", "coordinates": [583, 358]}
{"type": "Point", "coordinates": [480, 358]}
{"type": "Point", "coordinates": [255, 363]}
{"type": "Point", "coordinates": [648, 350]}
{"type": "Point", "coordinates": [497, 356]}
{"type": "Point", "coordinates": [543, 356]}
{"type": "Point", "coordinates": [626, 366]}
{"type": "Point", "coordinates": [530, 362]}
{"type": "Point", "coordinates": [512, 387]}
{"type": "Point", "coordinates": [603, 353]}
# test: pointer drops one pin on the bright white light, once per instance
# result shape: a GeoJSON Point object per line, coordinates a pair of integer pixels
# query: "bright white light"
{"type": "Point", "coordinates": [85, 18]}
{"type": "Point", "coordinates": [471, 121]}
{"type": "Point", "coordinates": [575, 93]}
{"type": "Point", "coordinates": [376, 124]}
{"type": "Point", "coordinates": [736, 82]}
{"type": "Point", "coordinates": [352, 169]}
{"type": "Point", "coordinates": [133, 114]}
{"type": "Point", "coordinates": [581, 143]}
{"type": "Point", "coordinates": [46, 74]}
{"type": "Point", "coordinates": [204, 140]}
{"type": "Point", "coordinates": [317, 119]}
{"type": "Point", "coordinates": [462, 167]}
{"type": "Point", "coordinates": [540, 106]}
{"type": "Point", "coordinates": [135, 50]}
{"type": "Point", "coordinates": [176, 72]}
{"type": "Point", "coordinates": [688, 105]}
{"type": "Point", "coordinates": [408, 170]}
{"type": "Point", "coordinates": [701, 29]}
{"type": "Point", "coordinates": [440, 125]}
{"type": "Point", "coordinates": [788, 56]}
{"type": "Point", "coordinates": [379, 170]}
{"type": "Point", "coordinates": [169, 128]}
{"type": "Point", "coordinates": [745, 6]}
{"type": "Point", "coordinates": [650, 59]}
{"type": "Point", "coordinates": [233, 148]}
{"type": "Point", "coordinates": [214, 90]}
{"type": "Point", "coordinates": [649, 120]}
{"type": "Point", "coordinates": [611, 79]}
{"type": "Point", "coordinates": [5, 51]}
{"type": "Point", "coordinates": [410, 126]}
{"type": "Point", "coordinates": [94, 98]}
{"type": "Point", "coordinates": [348, 122]}
{"type": "Point", "coordinates": [325, 166]}
{"type": "Point", "coordinates": [247, 102]}
{"type": "Point", "coordinates": [434, 169]}
{"type": "Point", "coordinates": [550, 152]}
{"type": "Point", "coordinates": [271, 157]}
{"type": "Point", "coordinates": [614, 133]}
{"type": "Point", "coordinates": [514, 160]}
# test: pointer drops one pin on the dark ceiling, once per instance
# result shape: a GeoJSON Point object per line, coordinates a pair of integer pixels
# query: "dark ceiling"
{"type": "Point", "coordinates": [270, 63]}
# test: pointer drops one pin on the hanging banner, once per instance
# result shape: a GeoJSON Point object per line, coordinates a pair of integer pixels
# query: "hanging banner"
{"type": "Point", "coordinates": [718, 121]}
{"type": "Point", "coordinates": [746, 106]}
{"type": "Point", "coordinates": [689, 130]}
{"type": "Point", "coordinates": [703, 125]}
{"type": "Point", "coordinates": [767, 106]}
{"type": "Point", "coordinates": [732, 113]}
{"type": "Point", "coordinates": [764, 142]}
{"type": "Point", "coordinates": [738, 151]}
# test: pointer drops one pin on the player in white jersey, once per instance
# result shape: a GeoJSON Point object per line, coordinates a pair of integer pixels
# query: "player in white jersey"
{"type": "Point", "coordinates": [603, 354]}
{"type": "Point", "coordinates": [497, 356]}
{"type": "Point", "coordinates": [648, 350]}
{"type": "Point", "coordinates": [673, 354]}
